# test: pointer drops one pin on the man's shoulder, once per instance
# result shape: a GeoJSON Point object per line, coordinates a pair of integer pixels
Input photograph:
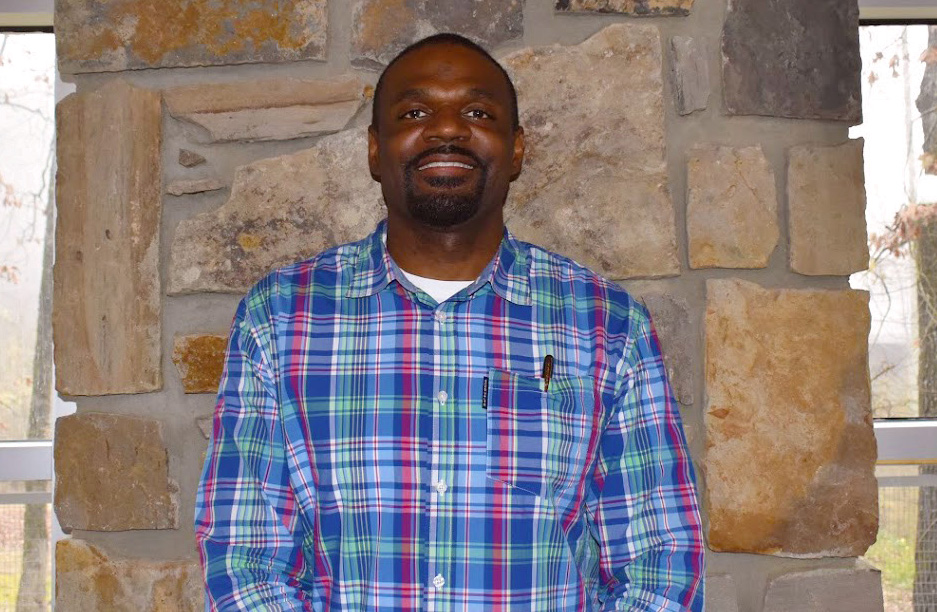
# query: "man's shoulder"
{"type": "Point", "coordinates": [324, 273]}
{"type": "Point", "coordinates": [554, 275]}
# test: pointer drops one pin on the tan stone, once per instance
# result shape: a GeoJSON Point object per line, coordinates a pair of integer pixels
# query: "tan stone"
{"type": "Point", "coordinates": [594, 185]}
{"type": "Point", "coordinates": [627, 7]}
{"type": "Point", "coordinates": [732, 209]}
{"type": "Point", "coordinates": [856, 589]}
{"type": "Point", "coordinates": [111, 474]}
{"type": "Point", "coordinates": [87, 578]}
{"type": "Point", "coordinates": [826, 194]}
{"type": "Point", "coordinates": [276, 109]}
{"type": "Point", "coordinates": [280, 210]}
{"type": "Point", "coordinates": [106, 316]}
{"type": "Point", "coordinates": [105, 35]}
{"type": "Point", "coordinates": [382, 28]}
{"type": "Point", "coordinates": [190, 186]}
{"type": "Point", "coordinates": [790, 448]}
{"type": "Point", "coordinates": [199, 358]}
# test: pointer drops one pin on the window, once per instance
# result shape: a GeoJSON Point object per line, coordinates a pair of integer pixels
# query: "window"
{"type": "Point", "coordinates": [28, 402]}
{"type": "Point", "coordinates": [899, 72]}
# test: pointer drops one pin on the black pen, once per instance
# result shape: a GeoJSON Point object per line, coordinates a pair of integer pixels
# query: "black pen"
{"type": "Point", "coordinates": [547, 372]}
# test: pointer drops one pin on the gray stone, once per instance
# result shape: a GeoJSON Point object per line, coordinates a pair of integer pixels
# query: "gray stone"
{"type": "Point", "coordinates": [280, 210]}
{"type": "Point", "coordinates": [690, 75]}
{"type": "Point", "coordinates": [190, 186]}
{"type": "Point", "coordinates": [721, 594]}
{"type": "Point", "coordinates": [279, 109]}
{"type": "Point", "coordinates": [826, 204]}
{"type": "Point", "coordinates": [792, 58]}
{"type": "Point", "coordinates": [732, 208]}
{"type": "Point", "coordinates": [190, 159]}
{"type": "Point", "coordinates": [827, 590]}
{"type": "Point", "coordinates": [106, 317]}
{"type": "Point", "coordinates": [107, 35]}
{"type": "Point", "coordinates": [88, 578]}
{"type": "Point", "coordinates": [679, 344]}
{"type": "Point", "coordinates": [112, 474]}
{"type": "Point", "coordinates": [790, 450]}
{"type": "Point", "coordinates": [382, 28]}
{"type": "Point", "coordinates": [649, 8]}
{"type": "Point", "coordinates": [204, 426]}
{"type": "Point", "coordinates": [594, 184]}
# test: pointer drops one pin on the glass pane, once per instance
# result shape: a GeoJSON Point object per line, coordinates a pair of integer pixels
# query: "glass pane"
{"type": "Point", "coordinates": [25, 558]}
{"type": "Point", "coordinates": [906, 549]}
{"type": "Point", "coordinates": [27, 80]}
{"type": "Point", "coordinates": [893, 73]}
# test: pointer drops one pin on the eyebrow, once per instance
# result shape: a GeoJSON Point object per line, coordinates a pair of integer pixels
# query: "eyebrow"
{"type": "Point", "coordinates": [418, 93]}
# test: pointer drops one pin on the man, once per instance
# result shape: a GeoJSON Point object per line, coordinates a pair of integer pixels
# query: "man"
{"type": "Point", "coordinates": [440, 416]}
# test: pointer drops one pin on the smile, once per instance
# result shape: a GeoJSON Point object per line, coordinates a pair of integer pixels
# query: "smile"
{"type": "Point", "coordinates": [446, 164]}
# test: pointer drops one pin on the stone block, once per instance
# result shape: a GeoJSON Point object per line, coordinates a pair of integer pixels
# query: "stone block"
{"type": "Point", "coordinates": [790, 448]}
{"type": "Point", "coordinates": [190, 159]}
{"type": "Point", "coordinates": [672, 322]}
{"type": "Point", "coordinates": [792, 58]}
{"type": "Point", "coordinates": [826, 202]}
{"type": "Point", "coordinates": [88, 578]}
{"type": "Point", "coordinates": [280, 210]}
{"type": "Point", "coordinates": [721, 594]}
{"type": "Point", "coordinates": [108, 35]}
{"type": "Point", "coordinates": [199, 358]}
{"type": "Point", "coordinates": [648, 8]}
{"type": "Point", "coordinates": [106, 317]}
{"type": "Point", "coordinates": [827, 590]}
{"type": "Point", "coordinates": [383, 28]}
{"type": "Point", "coordinates": [689, 71]}
{"type": "Point", "coordinates": [274, 109]}
{"type": "Point", "coordinates": [732, 208]}
{"type": "Point", "coordinates": [190, 186]}
{"type": "Point", "coordinates": [594, 184]}
{"type": "Point", "coordinates": [111, 474]}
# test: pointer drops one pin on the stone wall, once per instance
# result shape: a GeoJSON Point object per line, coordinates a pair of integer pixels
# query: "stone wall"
{"type": "Point", "coordinates": [695, 151]}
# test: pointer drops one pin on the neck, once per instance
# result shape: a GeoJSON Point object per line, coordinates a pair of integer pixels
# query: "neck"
{"type": "Point", "coordinates": [458, 253]}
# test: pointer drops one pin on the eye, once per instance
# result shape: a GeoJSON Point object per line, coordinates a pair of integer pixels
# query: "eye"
{"type": "Point", "coordinates": [477, 113]}
{"type": "Point", "coordinates": [414, 113]}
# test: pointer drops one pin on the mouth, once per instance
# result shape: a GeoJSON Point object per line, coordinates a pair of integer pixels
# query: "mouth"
{"type": "Point", "coordinates": [446, 164]}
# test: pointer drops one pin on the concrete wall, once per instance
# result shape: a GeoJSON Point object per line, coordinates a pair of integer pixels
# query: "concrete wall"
{"type": "Point", "coordinates": [733, 206]}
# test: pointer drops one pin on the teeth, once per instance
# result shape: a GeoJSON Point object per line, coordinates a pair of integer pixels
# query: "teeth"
{"type": "Point", "coordinates": [449, 164]}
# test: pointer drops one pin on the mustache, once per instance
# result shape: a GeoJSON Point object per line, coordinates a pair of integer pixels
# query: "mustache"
{"type": "Point", "coordinates": [449, 149]}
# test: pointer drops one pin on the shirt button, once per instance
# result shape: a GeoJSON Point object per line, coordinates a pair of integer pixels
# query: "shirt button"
{"type": "Point", "coordinates": [439, 581]}
{"type": "Point", "coordinates": [442, 396]}
{"type": "Point", "coordinates": [441, 487]}
{"type": "Point", "coordinates": [440, 316]}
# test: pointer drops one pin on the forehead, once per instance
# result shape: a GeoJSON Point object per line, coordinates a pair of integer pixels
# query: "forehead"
{"type": "Point", "coordinates": [447, 66]}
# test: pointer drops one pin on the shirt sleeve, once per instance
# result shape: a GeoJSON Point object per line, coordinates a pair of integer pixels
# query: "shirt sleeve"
{"type": "Point", "coordinates": [246, 524]}
{"type": "Point", "coordinates": [643, 499]}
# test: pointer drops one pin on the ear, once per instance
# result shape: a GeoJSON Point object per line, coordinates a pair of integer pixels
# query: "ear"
{"type": "Point", "coordinates": [517, 161]}
{"type": "Point", "coordinates": [374, 155]}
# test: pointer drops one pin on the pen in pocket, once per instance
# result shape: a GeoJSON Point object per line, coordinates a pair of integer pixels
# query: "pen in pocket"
{"type": "Point", "coordinates": [547, 372]}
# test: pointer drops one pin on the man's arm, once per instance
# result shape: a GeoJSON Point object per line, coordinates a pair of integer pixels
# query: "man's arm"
{"type": "Point", "coordinates": [246, 520]}
{"type": "Point", "coordinates": [643, 498]}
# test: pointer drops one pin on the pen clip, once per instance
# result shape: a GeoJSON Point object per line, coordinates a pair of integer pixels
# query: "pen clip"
{"type": "Point", "coordinates": [547, 372]}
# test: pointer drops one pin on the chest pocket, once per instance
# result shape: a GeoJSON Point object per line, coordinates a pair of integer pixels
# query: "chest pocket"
{"type": "Point", "coordinates": [538, 440]}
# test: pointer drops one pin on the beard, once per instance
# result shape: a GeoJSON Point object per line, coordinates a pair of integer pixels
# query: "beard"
{"type": "Point", "coordinates": [445, 206]}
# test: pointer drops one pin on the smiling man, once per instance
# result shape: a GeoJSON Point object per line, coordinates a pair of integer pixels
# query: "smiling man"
{"type": "Point", "coordinates": [440, 416]}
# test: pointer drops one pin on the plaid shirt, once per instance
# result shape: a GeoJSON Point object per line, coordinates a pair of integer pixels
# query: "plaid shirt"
{"type": "Point", "coordinates": [375, 450]}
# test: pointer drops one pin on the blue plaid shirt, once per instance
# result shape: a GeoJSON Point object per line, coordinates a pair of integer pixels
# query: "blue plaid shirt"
{"type": "Point", "coordinates": [375, 450]}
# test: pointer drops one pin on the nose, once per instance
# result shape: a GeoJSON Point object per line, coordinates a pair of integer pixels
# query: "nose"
{"type": "Point", "coordinates": [447, 125]}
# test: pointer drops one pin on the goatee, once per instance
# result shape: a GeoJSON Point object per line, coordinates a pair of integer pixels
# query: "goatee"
{"type": "Point", "coordinates": [445, 207]}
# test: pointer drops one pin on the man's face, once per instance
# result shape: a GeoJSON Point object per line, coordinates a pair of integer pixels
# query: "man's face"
{"type": "Point", "coordinates": [445, 149]}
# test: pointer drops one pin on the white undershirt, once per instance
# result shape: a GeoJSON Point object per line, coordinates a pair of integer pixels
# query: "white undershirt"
{"type": "Point", "coordinates": [441, 290]}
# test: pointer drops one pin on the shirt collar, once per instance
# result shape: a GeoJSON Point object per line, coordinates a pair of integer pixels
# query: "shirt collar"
{"type": "Point", "coordinates": [373, 269]}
